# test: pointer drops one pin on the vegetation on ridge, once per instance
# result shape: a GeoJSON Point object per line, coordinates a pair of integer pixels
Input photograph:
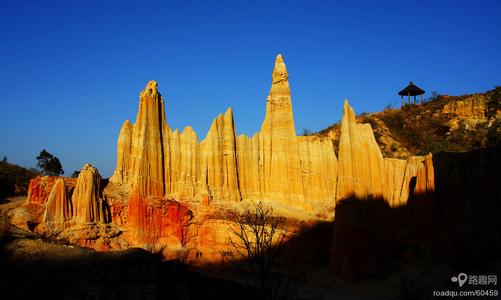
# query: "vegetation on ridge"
{"type": "Point", "coordinates": [14, 179]}
{"type": "Point", "coordinates": [443, 123]}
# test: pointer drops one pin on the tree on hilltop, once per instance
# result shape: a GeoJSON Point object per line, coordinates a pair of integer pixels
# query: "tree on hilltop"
{"type": "Point", "coordinates": [49, 164]}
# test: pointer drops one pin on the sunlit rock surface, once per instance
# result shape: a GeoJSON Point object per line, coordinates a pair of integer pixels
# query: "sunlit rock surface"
{"type": "Point", "coordinates": [172, 192]}
{"type": "Point", "coordinates": [155, 161]}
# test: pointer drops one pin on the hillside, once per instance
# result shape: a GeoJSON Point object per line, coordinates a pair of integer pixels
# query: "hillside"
{"type": "Point", "coordinates": [445, 123]}
{"type": "Point", "coordinates": [14, 179]}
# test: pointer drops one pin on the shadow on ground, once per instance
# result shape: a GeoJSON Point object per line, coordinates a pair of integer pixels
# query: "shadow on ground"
{"type": "Point", "coordinates": [456, 228]}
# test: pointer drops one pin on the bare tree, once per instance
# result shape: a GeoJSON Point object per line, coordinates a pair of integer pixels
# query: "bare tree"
{"type": "Point", "coordinates": [258, 252]}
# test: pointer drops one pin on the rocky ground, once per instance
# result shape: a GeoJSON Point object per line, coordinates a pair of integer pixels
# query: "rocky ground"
{"type": "Point", "coordinates": [32, 266]}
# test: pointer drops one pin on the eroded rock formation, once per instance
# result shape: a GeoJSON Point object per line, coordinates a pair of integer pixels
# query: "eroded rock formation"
{"type": "Point", "coordinates": [368, 187]}
{"type": "Point", "coordinates": [39, 189]}
{"type": "Point", "coordinates": [168, 185]}
{"type": "Point", "coordinates": [88, 205]}
{"type": "Point", "coordinates": [154, 223]}
{"type": "Point", "coordinates": [361, 165]}
{"type": "Point", "coordinates": [155, 161]}
{"type": "Point", "coordinates": [75, 210]}
{"type": "Point", "coordinates": [58, 208]}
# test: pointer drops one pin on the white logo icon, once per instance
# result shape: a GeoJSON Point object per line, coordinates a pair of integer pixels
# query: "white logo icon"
{"type": "Point", "coordinates": [461, 279]}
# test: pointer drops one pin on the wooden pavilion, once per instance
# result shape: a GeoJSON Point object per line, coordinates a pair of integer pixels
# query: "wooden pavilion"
{"type": "Point", "coordinates": [411, 90]}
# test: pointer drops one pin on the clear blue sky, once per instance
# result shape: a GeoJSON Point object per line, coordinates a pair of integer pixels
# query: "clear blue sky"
{"type": "Point", "coordinates": [71, 71]}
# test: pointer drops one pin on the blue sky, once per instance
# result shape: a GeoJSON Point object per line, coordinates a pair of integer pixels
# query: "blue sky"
{"type": "Point", "coordinates": [71, 71]}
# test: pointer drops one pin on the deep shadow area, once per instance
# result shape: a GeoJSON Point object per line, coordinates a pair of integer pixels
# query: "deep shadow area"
{"type": "Point", "coordinates": [468, 205]}
{"type": "Point", "coordinates": [456, 226]}
{"type": "Point", "coordinates": [76, 273]}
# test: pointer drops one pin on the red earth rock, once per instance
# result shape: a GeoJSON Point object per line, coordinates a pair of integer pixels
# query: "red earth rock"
{"type": "Point", "coordinates": [40, 187]}
{"type": "Point", "coordinates": [157, 222]}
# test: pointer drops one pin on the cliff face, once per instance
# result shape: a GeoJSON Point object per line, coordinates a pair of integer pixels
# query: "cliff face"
{"type": "Point", "coordinates": [279, 155]}
{"type": "Point", "coordinates": [58, 209]}
{"type": "Point", "coordinates": [39, 189]}
{"type": "Point", "coordinates": [140, 162]}
{"type": "Point", "coordinates": [154, 161]}
{"type": "Point", "coordinates": [88, 205]}
{"type": "Point", "coordinates": [77, 204]}
{"type": "Point", "coordinates": [368, 187]}
{"type": "Point", "coordinates": [171, 190]}
{"type": "Point", "coordinates": [276, 164]}
{"type": "Point", "coordinates": [218, 151]}
{"type": "Point", "coordinates": [361, 164]}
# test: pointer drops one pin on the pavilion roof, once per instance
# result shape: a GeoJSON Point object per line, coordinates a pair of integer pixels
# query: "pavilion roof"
{"type": "Point", "coordinates": [411, 90]}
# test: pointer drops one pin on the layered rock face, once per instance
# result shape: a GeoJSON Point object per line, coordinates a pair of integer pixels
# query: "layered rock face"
{"type": "Point", "coordinates": [39, 189]}
{"type": "Point", "coordinates": [58, 208]}
{"type": "Point", "coordinates": [88, 205]}
{"type": "Point", "coordinates": [368, 187]}
{"type": "Point", "coordinates": [472, 110]}
{"type": "Point", "coordinates": [140, 162]}
{"type": "Point", "coordinates": [361, 165]}
{"type": "Point", "coordinates": [44, 189]}
{"type": "Point", "coordinates": [218, 158]}
{"type": "Point", "coordinates": [81, 205]}
{"type": "Point", "coordinates": [306, 166]}
{"type": "Point", "coordinates": [362, 231]}
{"type": "Point", "coordinates": [164, 178]}
{"type": "Point", "coordinates": [364, 173]}
{"type": "Point", "coordinates": [279, 154]}
{"type": "Point", "coordinates": [156, 223]}
{"type": "Point", "coordinates": [154, 161]}
{"type": "Point", "coordinates": [399, 174]}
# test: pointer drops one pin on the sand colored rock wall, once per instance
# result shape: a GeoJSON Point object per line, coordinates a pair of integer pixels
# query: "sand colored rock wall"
{"type": "Point", "coordinates": [362, 170]}
{"type": "Point", "coordinates": [218, 153]}
{"type": "Point", "coordinates": [88, 206]}
{"type": "Point", "coordinates": [368, 188]}
{"type": "Point", "coordinates": [399, 175]}
{"type": "Point", "coordinates": [58, 208]}
{"type": "Point", "coordinates": [319, 168]}
{"type": "Point", "coordinates": [182, 164]}
{"type": "Point", "coordinates": [39, 189]}
{"type": "Point", "coordinates": [153, 223]}
{"type": "Point", "coordinates": [274, 164]}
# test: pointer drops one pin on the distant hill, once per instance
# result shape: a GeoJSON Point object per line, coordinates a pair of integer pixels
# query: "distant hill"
{"type": "Point", "coordinates": [14, 179]}
{"type": "Point", "coordinates": [444, 123]}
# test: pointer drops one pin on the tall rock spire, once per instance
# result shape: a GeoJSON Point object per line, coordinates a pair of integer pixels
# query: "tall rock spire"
{"type": "Point", "coordinates": [275, 164]}
{"type": "Point", "coordinates": [140, 162]}
{"type": "Point", "coordinates": [279, 115]}
{"type": "Point", "coordinates": [88, 205]}
{"type": "Point", "coordinates": [362, 170]}
{"type": "Point", "coordinates": [123, 168]}
{"type": "Point", "coordinates": [280, 158]}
